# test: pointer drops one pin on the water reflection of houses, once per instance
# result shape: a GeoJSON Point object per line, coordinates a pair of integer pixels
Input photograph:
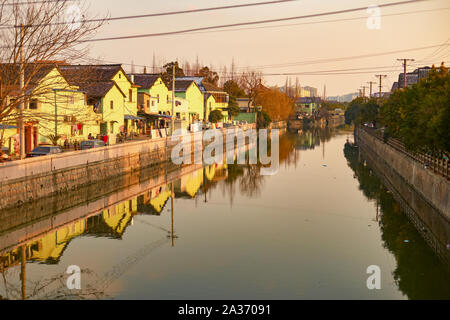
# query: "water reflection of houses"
{"type": "Point", "coordinates": [49, 248]}
{"type": "Point", "coordinates": [112, 222]}
{"type": "Point", "coordinates": [154, 201]}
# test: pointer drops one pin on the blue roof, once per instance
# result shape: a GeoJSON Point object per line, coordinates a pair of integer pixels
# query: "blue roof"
{"type": "Point", "coordinates": [197, 80]}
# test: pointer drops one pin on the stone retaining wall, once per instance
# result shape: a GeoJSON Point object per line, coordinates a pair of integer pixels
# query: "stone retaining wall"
{"type": "Point", "coordinates": [31, 179]}
{"type": "Point", "coordinates": [433, 188]}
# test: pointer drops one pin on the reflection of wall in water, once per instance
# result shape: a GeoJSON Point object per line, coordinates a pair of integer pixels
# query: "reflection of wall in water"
{"type": "Point", "coordinates": [433, 227]}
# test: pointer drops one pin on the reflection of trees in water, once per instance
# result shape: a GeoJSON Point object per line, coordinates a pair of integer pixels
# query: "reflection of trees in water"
{"type": "Point", "coordinates": [252, 182]}
{"type": "Point", "coordinates": [248, 177]}
{"type": "Point", "coordinates": [53, 288]}
{"type": "Point", "coordinates": [419, 273]}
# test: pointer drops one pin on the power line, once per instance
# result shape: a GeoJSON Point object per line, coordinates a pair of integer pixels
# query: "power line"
{"type": "Point", "coordinates": [137, 36]}
{"type": "Point", "coordinates": [319, 22]}
{"type": "Point", "coordinates": [169, 13]}
{"type": "Point", "coordinates": [349, 71]}
{"type": "Point", "coordinates": [319, 61]}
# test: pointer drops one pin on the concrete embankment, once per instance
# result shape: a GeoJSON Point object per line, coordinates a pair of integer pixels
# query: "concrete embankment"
{"type": "Point", "coordinates": [31, 179]}
{"type": "Point", "coordinates": [433, 188]}
{"type": "Point", "coordinates": [433, 226]}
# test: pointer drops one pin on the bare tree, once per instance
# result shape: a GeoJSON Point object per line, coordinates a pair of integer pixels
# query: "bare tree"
{"type": "Point", "coordinates": [251, 82]}
{"type": "Point", "coordinates": [36, 36]}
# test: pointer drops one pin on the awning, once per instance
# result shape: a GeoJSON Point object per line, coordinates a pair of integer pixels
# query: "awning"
{"type": "Point", "coordinates": [155, 115]}
{"type": "Point", "coordinates": [7, 126]}
{"type": "Point", "coordinates": [130, 117]}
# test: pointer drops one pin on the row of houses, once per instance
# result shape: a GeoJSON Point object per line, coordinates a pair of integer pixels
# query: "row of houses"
{"type": "Point", "coordinates": [77, 102]}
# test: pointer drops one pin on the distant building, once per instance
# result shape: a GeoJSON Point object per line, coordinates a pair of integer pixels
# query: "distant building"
{"type": "Point", "coordinates": [300, 91]}
{"type": "Point", "coordinates": [307, 105]}
{"type": "Point", "coordinates": [244, 104]}
{"type": "Point", "coordinates": [344, 98]}
{"type": "Point", "coordinates": [313, 92]}
{"type": "Point", "coordinates": [412, 78]}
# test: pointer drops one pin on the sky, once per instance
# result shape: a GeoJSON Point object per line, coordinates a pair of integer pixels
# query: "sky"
{"type": "Point", "coordinates": [297, 43]}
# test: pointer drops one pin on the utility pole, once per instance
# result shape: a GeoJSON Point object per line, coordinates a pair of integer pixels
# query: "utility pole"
{"type": "Point", "coordinates": [371, 83]}
{"type": "Point", "coordinates": [173, 99]}
{"type": "Point", "coordinates": [22, 92]}
{"type": "Point", "coordinates": [173, 212]}
{"type": "Point", "coordinates": [405, 61]}
{"type": "Point", "coordinates": [364, 91]}
{"type": "Point", "coordinates": [381, 76]}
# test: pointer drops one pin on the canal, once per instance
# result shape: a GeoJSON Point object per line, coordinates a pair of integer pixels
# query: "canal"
{"type": "Point", "coordinates": [308, 232]}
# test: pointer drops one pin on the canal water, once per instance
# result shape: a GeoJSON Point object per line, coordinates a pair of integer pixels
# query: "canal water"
{"type": "Point", "coordinates": [309, 232]}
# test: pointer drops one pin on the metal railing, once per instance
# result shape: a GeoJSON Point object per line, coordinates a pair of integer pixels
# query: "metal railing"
{"type": "Point", "coordinates": [438, 165]}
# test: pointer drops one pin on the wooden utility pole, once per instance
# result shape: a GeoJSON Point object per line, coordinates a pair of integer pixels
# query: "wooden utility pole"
{"type": "Point", "coordinates": [364, 91]}
{"type": "Point", "coordinates": [405, 61]}
{"type": "Point", "coordinates": [23, 273]}
{"type": "Point", "coordinates": [371, 83]}
{"type": "Point", "coordinates": [381, 76]}
{"type": "Point", "coordinates": [173, 213]}
{"type": "Point", "coordinates": [172, 130]}
{"type": "Point", "coordinates": [22, 100]}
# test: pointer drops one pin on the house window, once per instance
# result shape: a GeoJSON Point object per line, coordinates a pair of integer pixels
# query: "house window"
{"type": "Point", "coordinates": [112, 104]}
{"type": "Point", "coordinates": [148, 103]}
{"type": "Point", "coordinates": [167, 98]}
{"type": "Point", "coordinates": [33, 105]}
{"type": "Point", "coordinates": [153, 103]}
{"type": "Point", "coordinates": [157, 97]}
{"type": "Point", "coordinates": [130, 93]}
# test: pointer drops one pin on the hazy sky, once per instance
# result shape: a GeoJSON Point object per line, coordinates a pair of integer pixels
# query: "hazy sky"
{"type": "Point", "coordinates": [290, 42]}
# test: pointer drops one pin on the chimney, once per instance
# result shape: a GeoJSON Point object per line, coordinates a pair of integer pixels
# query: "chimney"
{"type": "Point", "coordinates": [145, 70]}
{"type": "Point", "coordinates": [132, 78]}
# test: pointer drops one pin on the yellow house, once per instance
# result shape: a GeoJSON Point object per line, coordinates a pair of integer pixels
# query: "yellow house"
{"type": "Point", "coordinates": [213, 97]}
{"type": "Point", "coordinates": [154, 100]}
{"type": "Point", "coordinates": [54, 107]}
{"type": "Point", "coordinates": [159, 94]}
{"type": "Point", "coordinates": [189, 90]}
{"type": "Point", "coordinates": [113, 94]}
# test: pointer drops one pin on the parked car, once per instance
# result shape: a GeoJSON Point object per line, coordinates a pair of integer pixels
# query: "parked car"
{"type": "Point", "coordinates": [92, 144]}
{"type": "Point", "coordinates": [44, 151]}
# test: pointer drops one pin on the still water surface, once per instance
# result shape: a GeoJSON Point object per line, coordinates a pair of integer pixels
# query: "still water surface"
{"type": "Point", "coordinates": [309, 232]}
